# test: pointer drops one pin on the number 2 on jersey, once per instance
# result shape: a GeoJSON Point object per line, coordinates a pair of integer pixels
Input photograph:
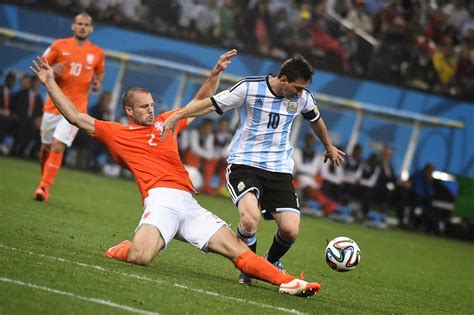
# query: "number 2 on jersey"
{"type": "Point", "coordinates": [76, 69]}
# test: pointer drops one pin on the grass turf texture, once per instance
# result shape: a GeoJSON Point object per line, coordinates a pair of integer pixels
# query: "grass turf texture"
{"type": "Point", "coordinates": [400, 272]}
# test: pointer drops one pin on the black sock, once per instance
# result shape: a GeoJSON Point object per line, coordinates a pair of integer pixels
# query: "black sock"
{"type": "Point", "coordinates": [279, 248]}
{"type": "Point", "coordinates": [249, 238]}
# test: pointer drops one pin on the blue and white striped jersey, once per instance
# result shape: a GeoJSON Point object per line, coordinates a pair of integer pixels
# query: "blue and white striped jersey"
{"type": "Point", "coordinates": [262, 138]}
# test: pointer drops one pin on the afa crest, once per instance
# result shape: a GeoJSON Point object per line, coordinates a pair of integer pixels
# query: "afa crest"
{"type": "Point", "coordinates": [292, 107]}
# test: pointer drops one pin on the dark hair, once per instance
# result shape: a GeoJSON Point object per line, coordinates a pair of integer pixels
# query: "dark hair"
{"type": "Point", "coordinates": [130, 93]}
{"type": "Point", "coordinates": [296, 68]}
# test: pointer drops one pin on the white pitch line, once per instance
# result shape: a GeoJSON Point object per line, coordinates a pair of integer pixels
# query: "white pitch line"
{"type": "Point", "coordinates": [79, 297]}
{"type": "Point", "coordinates": [135, 276]}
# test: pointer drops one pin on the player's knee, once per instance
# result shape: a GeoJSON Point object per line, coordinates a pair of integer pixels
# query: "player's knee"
{"type": "Point", "coordinates": [289, 232]}
{"type": "Point", "coordinates": [249, 223]}
{"type": "Point", "coordinates": [58, 147]}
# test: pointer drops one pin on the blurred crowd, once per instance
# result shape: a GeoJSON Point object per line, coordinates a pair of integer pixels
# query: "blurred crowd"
{"type": "Point", "coordinates": [369, 191]}
{"type": "Point", "coordinates": [428, 45]}
{"type": "Point", "coordinates": [21, 109]}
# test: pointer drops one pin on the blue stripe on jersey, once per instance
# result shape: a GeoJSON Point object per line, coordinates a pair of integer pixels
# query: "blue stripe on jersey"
{"type": "Point", "coordinates": [235, 142]}
{"type": "Point", "coordinates": [283, 145]}
{"type": "Point", "coordinates": [268, 139]}
{"type": "Point", "coordinates": [255, 122]}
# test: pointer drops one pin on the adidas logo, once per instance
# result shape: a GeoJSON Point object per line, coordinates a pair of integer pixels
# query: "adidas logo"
{"type": "Point", "coordinates": [259, 101]}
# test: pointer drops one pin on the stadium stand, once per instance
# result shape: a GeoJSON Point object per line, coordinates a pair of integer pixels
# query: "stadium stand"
{"type": "Point", "coordinates": [423, 46]}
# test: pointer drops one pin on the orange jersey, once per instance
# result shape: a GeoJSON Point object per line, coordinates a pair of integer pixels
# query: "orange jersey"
{"type": "Point", "coordinates": [139, 149]}
{"type": "Point", "coordinates": [80, 64]}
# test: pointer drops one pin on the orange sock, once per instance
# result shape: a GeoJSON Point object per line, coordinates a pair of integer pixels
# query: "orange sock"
{"type": "Point", "coordinates": [51, 168]}
{"type": "Point", "coordinates": [259, 268]}
{"type": "Point", "coordinates": [43, 156]}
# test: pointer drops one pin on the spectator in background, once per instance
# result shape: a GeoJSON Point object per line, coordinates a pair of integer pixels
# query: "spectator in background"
{"type": "Point", "coordinates": [422, 183]}
{"type": "Point", "coordinates": [352, 166]}
{"type": "Point", "coordinates": [102, 110]}
{"type": "Point", "coordinates": [465, 66]}
{"type": "Point", "coordinates": [222, 137]}
{"type": "Point", "coordinates": [262, 26]}
{"type": "Point", "coordinates": [307, 167]}
{"type": "Point", "coordinates": [227, 24]}
{"type": "Point", "coordinates": [341, 7]}
{"type": "Point", "coordinates": [387, 181]}
{"type": "Point", "coordinates": [202, 154]}
{"type": "Point", "coordinates": [368, 176]}
{"type": "Point", "coordinates": [445, 63]}
{"type": "Point", "coordinates": [27, 107]}
{"type": "Point", "coordinates": [359, 17]}
{"type": "Point", "coordinates": [332, 181]}
{"type": "Point", "coordinates": [457, 13]}
{"type": "Point", "coordinates": [6, 120]}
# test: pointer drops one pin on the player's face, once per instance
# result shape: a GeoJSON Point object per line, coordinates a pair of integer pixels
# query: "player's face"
{"type": "Point", "coordinates": [142, 111]}
{"type": "Point", "coordinates": [82, 27]}
{"type": "Point", "coordinates": [293, 89]}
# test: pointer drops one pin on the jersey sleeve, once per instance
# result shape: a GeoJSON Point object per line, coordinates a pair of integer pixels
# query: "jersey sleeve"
{"type": "Point", "coordinates": [231, 98]}
{"type": "Point", "coordinates": [100, 67]}
{"type": "Point", "coordinates": [103, 131]}
{"type": "Point", "coordinates": [310, 110]}
{"type": "Point", "coordinates": [52, 53]}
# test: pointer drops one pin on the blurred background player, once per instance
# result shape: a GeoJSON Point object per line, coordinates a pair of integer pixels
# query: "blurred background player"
{"type": "Point", "coordinates": [77, 63]}
{"type": "Point", "coordinates": [260, 165]}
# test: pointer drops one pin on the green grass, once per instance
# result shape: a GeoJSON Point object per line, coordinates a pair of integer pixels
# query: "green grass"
{"type": "Point", "coordinates": [59, 245]}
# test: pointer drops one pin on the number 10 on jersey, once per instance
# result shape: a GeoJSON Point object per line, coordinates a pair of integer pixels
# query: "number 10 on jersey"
{"type": "Point", "coordinates": [273, 120]}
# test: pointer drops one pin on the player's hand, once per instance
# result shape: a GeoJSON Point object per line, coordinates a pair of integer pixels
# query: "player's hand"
{"type": "Point", "coordinates": [96, 85]}
{"type": "Point", "coordinates": [170, 124]}
{"type": "Point", "coordinates": [58, 68]}
{"type": "Point", "coordinates": [335, 155]}
{"type": "Point", "coordinates": [42, 70]}
{"type": "Point", "coordinates": [224, 61]}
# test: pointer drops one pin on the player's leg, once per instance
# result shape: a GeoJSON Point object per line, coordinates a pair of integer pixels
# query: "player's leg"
{"type": "Point", "coordinates": [208, 232]}
{"type": "Point", "coordinates": [63, 136]}
{"type": "Point", "coordinates": [281, 202]}
{"type": "Point", "coordinates": [146, 245]}
{"type": "Point", "coordinates": [244, 189]}
{"type": "Point", "coordinates": [45, 149]}
{"type": "Point", "coordinates": [249, 213]}
{"type": "Point", "coordinates": [224, 242]}
{"type": "Point", "coordinates": [288, 229]}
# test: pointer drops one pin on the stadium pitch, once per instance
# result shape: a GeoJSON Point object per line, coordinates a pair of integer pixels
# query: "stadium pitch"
{"type": "Point", "coordinates": [51, 258]}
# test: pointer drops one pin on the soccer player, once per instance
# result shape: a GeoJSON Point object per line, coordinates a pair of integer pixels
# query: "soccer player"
{"type": "Point", "coordinates": [260, 165]}
{"type": "Point", "coordinates": [170, 211]}
{"type": "Point", "coordinates": [77, 63]}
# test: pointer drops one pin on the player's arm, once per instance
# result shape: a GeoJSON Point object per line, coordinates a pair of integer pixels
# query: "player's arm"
{"type": "Point", "coordinates": [99, 74]}
{"type": "Point", "coordinates": [209, 87]}
{"type": "Point", "coordinates": [67, 108]}
{"type": "Point", "coordinates": [331, 152]}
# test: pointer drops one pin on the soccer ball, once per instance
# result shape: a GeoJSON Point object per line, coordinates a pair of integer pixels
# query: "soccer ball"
{"type": "Point", "coordinates": [342, 254]}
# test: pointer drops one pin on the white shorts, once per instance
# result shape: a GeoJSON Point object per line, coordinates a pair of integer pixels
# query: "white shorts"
{"type": "Point", "coordinates": [57, 127]}
{"type": "Point", "coordinates": [176, 214]}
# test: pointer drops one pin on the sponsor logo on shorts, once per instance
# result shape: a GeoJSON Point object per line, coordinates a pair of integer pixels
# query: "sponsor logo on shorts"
{"type": "Point", "coordinates": [146, 214]}
{"type": "Point", "coordinates": [241, 186]}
